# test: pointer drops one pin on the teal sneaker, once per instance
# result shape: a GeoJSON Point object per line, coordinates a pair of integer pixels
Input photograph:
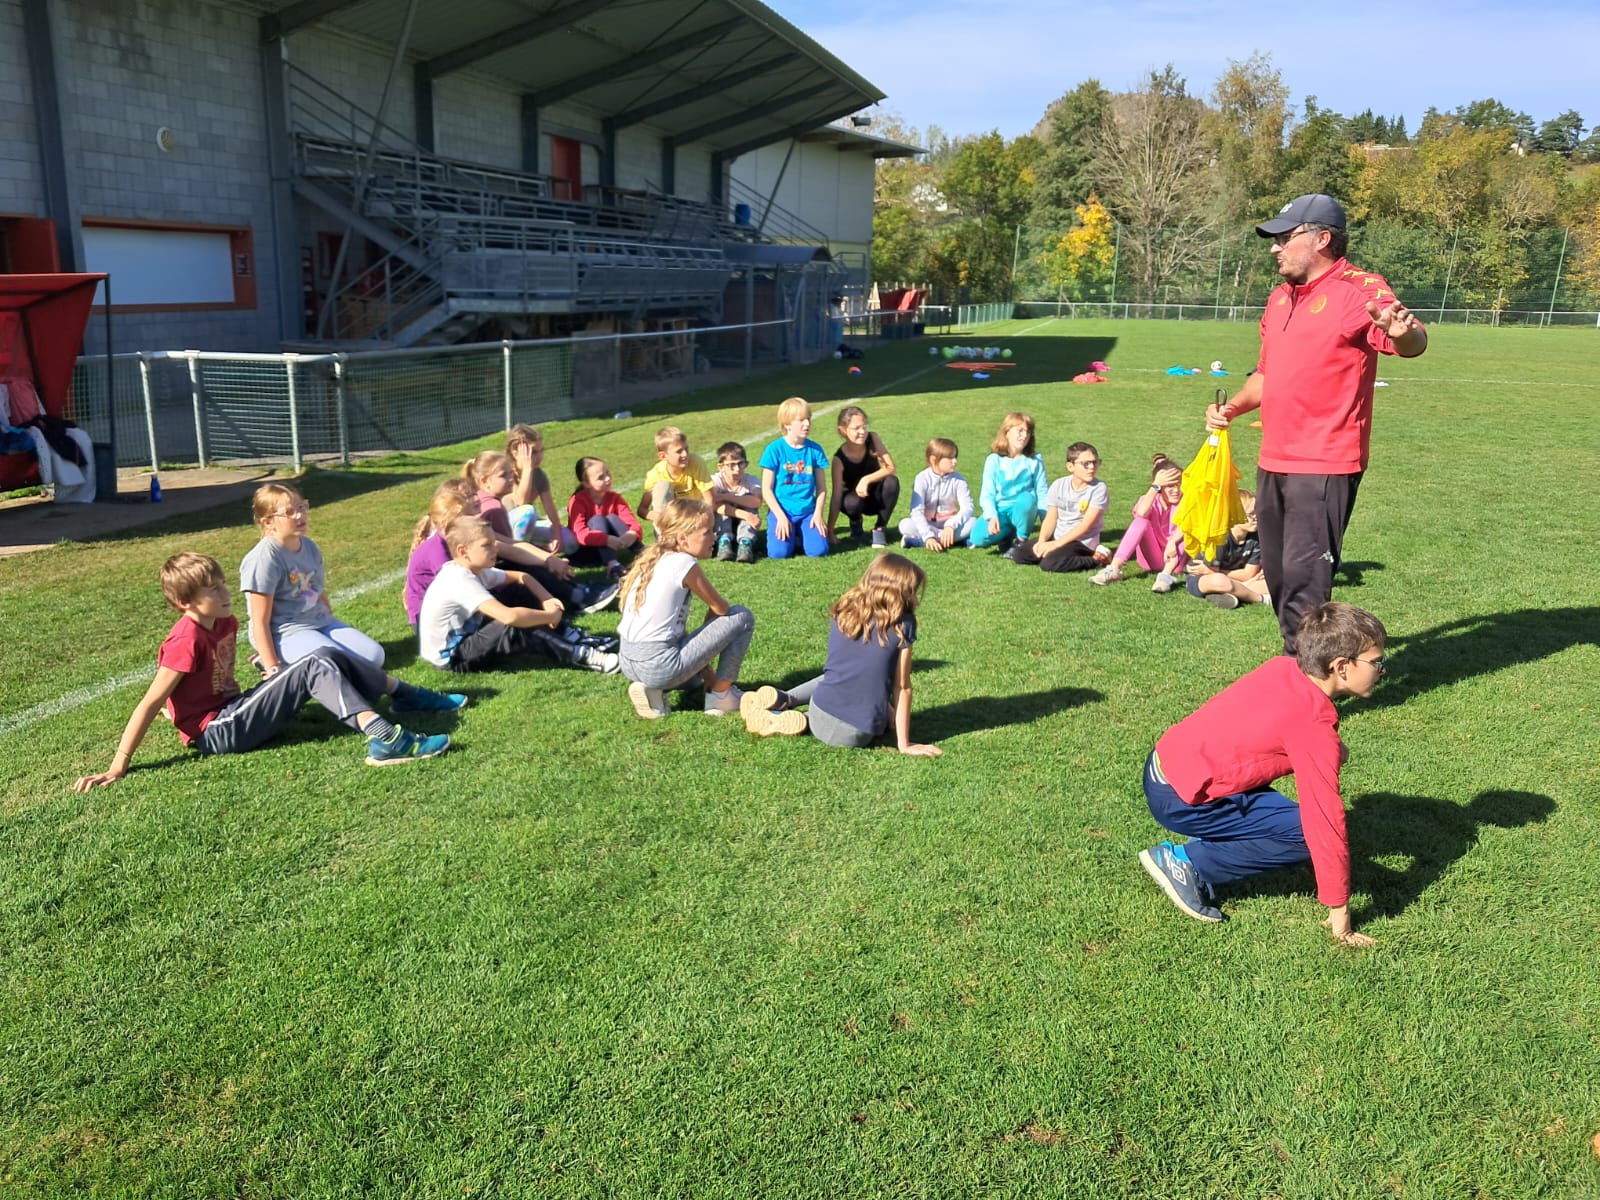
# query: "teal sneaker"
{"type": "Point", "coordinates": [405, 746]}
{"type": "Point", "coordinates": [1178, 879]}
{"type": "Point", "coordinates": [426, 700]}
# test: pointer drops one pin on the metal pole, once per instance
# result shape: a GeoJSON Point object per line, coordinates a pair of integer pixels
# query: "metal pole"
{"type": "Point", "coordinates": [505, 377]}
{"type": "Point", "coordinates": [1449, 269]}
{"type": "Point", "coordinates": [1560, 262]}
{"type": "Point", "coordinates": [1016, 249]}
{"type": "Point", "coordinates": [149, 412]}
{"type": "Point", "coordinates": [1116, 251]}
{"type": "Point", "coordinates": [342, 411]}
{"type": "Point", "coordinates": [289, 361]}
{"type": "Point", "coordinates": [749, 319]}
{"type": "Point", "coordinates": [111, 393]}
{"type": "Point", "coordinates": [196, 395]}
{"type": "Point", "coordinates": [1216, 308]}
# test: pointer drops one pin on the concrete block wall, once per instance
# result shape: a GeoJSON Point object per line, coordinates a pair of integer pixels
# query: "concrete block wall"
{"type": "Point", "coordinates": [477, 121]}
{"type": "Point", "coordinates": [194, 69]}
{"type": "Point", "coordinates": [21, 185]}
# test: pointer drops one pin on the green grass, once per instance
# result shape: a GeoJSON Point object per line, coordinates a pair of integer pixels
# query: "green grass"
{"type": "Point", "coordinates": [582, 955]}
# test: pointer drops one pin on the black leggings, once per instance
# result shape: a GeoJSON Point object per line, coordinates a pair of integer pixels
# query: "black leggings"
{"type": "Point", "coordinates": [881, 498]}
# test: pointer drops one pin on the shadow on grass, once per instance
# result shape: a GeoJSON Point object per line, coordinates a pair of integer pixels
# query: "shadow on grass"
{"type": "Point", "coordinates": [1431, 833]}
{"type": "Point", "coordinates": [1479, 645]}
{"type": "Point", "coordinates": [977, 713]}
{"type": "Point", "coordinates": [1353, 574]}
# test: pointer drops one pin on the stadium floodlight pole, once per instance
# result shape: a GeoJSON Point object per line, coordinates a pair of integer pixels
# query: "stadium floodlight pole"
{"type": "Point", "coordinates": [1016, 247]}
{"type": "Point", "coordinates": [1448, 270]}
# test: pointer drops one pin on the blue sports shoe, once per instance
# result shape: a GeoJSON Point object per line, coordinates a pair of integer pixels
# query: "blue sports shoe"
{"type": "Point", "coordinates": [1177, 878]}
{"type": "Point", "coordinates": [426, 700]}
{"type": "Point", "coordinates": [405, 746]}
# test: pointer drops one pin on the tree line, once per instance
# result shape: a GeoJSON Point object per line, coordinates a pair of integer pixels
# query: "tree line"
{"type": "Point", "coordinates": [1149, 195]}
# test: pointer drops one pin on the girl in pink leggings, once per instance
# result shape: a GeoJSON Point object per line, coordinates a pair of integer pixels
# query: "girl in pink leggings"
{"type": "Point", "coordinates": [1151, 534]}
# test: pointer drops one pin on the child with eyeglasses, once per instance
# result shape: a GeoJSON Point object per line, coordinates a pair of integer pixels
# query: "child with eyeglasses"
{"type": "Point", "coordinates": [736, 501]}
{"type": "Point", "coordinates": [1075, 512]}
{"type": "Point", "coordinates": [286, 588]}
{"type": "Point", "coordinates": [1209, 776]}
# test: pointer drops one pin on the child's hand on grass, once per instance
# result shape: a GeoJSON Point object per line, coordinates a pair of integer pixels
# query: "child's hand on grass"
{"type": "Point", "coordinates": [921, 750]}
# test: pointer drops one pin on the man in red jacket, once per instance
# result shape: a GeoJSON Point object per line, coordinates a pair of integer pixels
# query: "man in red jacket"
{"type": "Point", "coordinates": [1209, 776]}
{"type": "Point", "coordinates": [1321, 334]}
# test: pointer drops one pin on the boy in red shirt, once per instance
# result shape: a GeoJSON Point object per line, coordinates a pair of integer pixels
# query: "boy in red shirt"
{"type": "Point", "coordinates": [195, 685]}
{"type": "Point", "coordinates": [1208, 776]}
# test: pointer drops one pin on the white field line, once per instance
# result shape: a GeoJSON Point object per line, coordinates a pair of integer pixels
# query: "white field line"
{"type": "Point", "coordinates": [78, 697]}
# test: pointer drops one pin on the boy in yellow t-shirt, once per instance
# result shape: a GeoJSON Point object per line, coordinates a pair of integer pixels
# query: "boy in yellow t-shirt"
{"type": "Point", "coordinates": [677, 475]}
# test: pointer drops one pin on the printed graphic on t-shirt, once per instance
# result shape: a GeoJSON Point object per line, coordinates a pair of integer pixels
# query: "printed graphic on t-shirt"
{"type": "Point", "coordinates": [305, 589]}
{"type": "Point", "coordinates": [223, 682]}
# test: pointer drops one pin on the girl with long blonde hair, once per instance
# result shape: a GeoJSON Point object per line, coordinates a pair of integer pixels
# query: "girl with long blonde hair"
{"type": "Point", "coordinates": [658, 652]}
{"type": "Point", "coordinates": [866, 683]}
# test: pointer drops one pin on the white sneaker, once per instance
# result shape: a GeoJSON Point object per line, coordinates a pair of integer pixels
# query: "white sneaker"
{"type": "Point", "coordinates": [1106, 575]}
{"type": "Point", "coordinates": [1163, 583]}
{"type": "Point", "coordinates": [650, 703]}
{"type": "Point", "coordinates": [721, 704]}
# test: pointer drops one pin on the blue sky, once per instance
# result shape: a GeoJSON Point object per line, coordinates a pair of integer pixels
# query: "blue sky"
{"type": "Point", "coordinates": [973, 65]}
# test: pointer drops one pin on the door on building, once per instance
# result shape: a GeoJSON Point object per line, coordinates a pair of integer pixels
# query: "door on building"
{"type": "Point", "coordinates": [566, 168]}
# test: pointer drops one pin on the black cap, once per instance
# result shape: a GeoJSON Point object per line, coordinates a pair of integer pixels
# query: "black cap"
{"type": "Point", "coordinates": [1315, 209]}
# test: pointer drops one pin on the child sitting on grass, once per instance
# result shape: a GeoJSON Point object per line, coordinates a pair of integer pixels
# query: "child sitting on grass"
{"type": "Point", "coordinates": [941, 502]}
{"type": "Point", "coordinates": [794, 483]}
{"type": "Point", "coordinates": [195, 684]}
{"type": "Point", "coordinates": [1015, 486]}
{"type": "Point", "coordinates": [867, 680]}
{"type": "Point", "coordinates": [286, 591]}
{"type": "Point", "coordinates": [864, 481]}
{"type": "Point", "coordinates": [677, 475]}
{"type": "Point", "coordinates": [1151, 534]}
{"type": "Point", "coordinates": [1232, 576]}
{"type": "Point", "coordinates": [491, 472]}
{"type": "Point", "coordinates": [1208, 776]}
{"type": "Point", "coordinates": [464, 626]}
{"type": "Point", "coordinates": [736, 503]}
{"type": "Point", "coordinates": [525, 449]}
{"type": "Point", "coordinates": [602, 524]}
{"type": "Point", "coordinates": [658, 652]}
{"type": "Point", "coordinates": [1075, 512]}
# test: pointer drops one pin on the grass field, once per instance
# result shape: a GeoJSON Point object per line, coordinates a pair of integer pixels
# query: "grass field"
{"type": "Point", "coordinates": [585, 955]}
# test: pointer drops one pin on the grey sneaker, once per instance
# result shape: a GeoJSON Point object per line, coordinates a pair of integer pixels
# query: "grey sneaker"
{"type": "Point", "coordinates": [720, 704]}
{"type": "Point", "coordinates": [1222, 599]}
{"type": "Point", "coordinates": [747, 550]}
{"type": "Point", "coordinates": [591, 659]}
{"type": "Point", "coordinates": [593, 599]}
{"type": "Point", "coordinates": [650, 703]}
{"type": "Point", "coordinates": [1177, 878]}
{"type": "Point", "coordinates": [879, 539]}
{"type": "Point", "coordinates": [1164, 583]}
{"type": "Point", "coordinates": [1106, 575]}
{"type": "Point", "coordinates": [724, 548]}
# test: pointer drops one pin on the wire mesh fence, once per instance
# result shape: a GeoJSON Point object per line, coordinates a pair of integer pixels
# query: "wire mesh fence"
{"type": "Point", "coordinates": [188, 406]}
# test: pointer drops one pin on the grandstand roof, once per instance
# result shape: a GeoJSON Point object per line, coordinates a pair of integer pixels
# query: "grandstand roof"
{"type": "Point", "coordinates": [732, 74]}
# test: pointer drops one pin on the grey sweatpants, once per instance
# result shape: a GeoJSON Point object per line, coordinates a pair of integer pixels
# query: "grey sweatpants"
{"type": "Point", "coordinates": [674, 664]}
{"type": "Point", "coordinates": [344, 684]}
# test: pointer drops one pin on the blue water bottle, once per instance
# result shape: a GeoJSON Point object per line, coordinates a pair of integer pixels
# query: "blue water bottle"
{"type": "Point", "coordinates": [155, 489]}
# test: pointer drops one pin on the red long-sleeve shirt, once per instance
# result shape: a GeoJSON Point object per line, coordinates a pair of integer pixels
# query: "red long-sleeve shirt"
{"type": "Point", "coordinates": [1273, 722]}
{"type": "Point", "coordinates": [582, 507]}
{"type": "Point", "coordinates": [1319, 361]}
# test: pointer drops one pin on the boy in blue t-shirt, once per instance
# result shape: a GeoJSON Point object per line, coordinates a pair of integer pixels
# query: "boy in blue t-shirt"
{"type": "Point", "coordinates": [794, 483]}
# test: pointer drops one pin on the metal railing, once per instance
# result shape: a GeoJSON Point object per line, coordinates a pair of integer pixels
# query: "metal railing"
{"type": "Point", "coordinates": [192, 406]}
{"type": "Point", "coordinates": [1067, 309]}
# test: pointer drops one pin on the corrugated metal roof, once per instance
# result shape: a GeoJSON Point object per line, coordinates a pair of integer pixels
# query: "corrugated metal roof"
{"type": "Point", "coordinates": [732, 74]}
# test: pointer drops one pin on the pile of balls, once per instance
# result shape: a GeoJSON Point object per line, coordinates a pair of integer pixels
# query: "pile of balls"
{"type": "Point", "coordinates": [987, 353]}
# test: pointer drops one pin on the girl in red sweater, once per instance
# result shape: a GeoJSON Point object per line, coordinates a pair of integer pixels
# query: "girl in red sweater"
{"type": "Point", "coordinates": [600, 519]}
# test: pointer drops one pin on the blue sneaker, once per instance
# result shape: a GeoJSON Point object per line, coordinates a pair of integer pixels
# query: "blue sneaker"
{"type": "Point", "coordinates": [1178, 879]}
{"type": "Point", "coordinates": [593, 598]}
{"type": "Point", "coordinates": [426, 700]}
{"type": "Point", "coordinates": [405, 746]}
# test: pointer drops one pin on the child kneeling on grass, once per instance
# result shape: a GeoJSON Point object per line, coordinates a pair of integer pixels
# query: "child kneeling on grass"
{"type": "Point", "coordinates": [463, 626]}
{"type": "Point", "coordinates": [867, 679]}
{"type": "Point", "coordinates": [1208, 775]}
{"type": "Point", "coordinates": [195, 684]}
{"type": "Point", "coordinates": [658, 652]}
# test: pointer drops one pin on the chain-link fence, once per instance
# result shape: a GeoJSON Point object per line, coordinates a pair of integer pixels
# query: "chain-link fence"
{"type": "Point", "coordinates": [189, 406]}
{"type": "Point", "coordinates": [1489, 276]}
